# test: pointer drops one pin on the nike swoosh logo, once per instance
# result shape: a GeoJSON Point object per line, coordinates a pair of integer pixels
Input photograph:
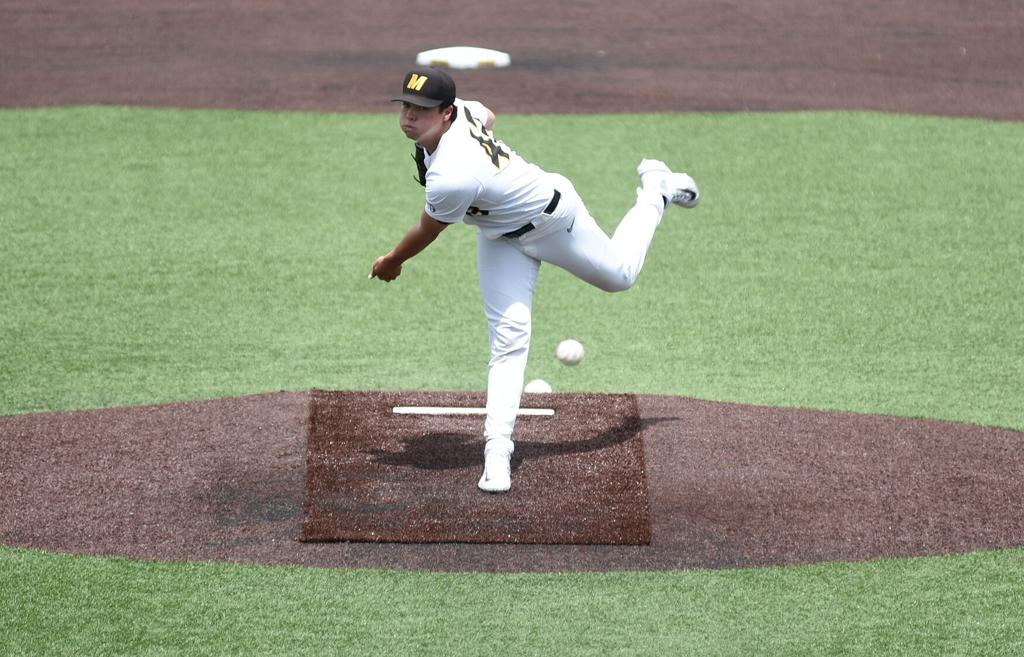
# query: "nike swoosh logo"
{"type": "Point", "coordinates": [569, 229]}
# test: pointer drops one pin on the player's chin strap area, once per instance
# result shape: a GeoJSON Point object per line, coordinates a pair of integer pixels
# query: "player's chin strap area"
{"type": "Point", "coordinates": [519, 232]}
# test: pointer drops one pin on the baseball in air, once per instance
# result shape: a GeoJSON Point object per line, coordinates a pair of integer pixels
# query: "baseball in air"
{"type": "Point", "coordinates": [537, 386]}
{"type": "Point", "coordinates": [569, 352]}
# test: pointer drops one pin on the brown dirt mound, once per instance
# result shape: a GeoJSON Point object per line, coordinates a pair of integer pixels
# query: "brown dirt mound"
{"type": "Point", "coordinates": [729, 486]}
{"type": "Point", "coordinates": [380, 477]}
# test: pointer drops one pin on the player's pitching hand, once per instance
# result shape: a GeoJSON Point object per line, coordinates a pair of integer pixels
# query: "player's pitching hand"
{"type": "Point", "coordinates": [385, 269]}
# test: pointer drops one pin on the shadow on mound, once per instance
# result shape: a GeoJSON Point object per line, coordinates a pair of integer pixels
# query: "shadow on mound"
{"type": "Point", "coordinates": [728, 485]}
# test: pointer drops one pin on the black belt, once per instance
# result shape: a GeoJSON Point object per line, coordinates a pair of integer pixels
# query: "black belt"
{"type": "Point", "coordinates": [548, 210]}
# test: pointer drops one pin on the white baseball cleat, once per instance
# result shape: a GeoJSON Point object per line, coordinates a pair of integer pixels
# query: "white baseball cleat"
{"type": "Point", "coordinates": [678, 188]}
{"type": "Point", "coordinates": [497, 477]}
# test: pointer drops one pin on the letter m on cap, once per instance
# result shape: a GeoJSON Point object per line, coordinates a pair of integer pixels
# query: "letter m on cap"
{"type": "Point", "coordinates": [416, 82]}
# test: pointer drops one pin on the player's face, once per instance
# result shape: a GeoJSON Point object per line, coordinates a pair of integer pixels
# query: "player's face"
{"type": "Point", "coordinates": [424, 125]}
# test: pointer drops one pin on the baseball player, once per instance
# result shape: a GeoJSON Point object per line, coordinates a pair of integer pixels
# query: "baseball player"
{"type": "Point", "coordinates": [524, 216]}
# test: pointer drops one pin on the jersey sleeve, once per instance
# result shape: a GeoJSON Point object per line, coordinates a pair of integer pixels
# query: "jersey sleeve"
{"type": "Point", "coordinates": [449, 199]}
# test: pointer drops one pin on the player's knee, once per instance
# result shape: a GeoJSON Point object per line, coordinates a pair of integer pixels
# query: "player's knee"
{"type": "Point", "coordinates": [618, 283]}
{"type": "Point", "coordinates": [510, 335]}
{"type": "Point", "coordinates": [506, 346]}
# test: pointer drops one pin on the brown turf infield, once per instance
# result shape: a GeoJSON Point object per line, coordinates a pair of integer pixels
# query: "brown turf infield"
{"type": "Point", "coordinates": [909, 56]}
{"type": "Point", "coordinates": [726, 484]}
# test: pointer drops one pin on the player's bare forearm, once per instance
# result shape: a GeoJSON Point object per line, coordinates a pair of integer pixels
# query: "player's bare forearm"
{"type": "Point", "coordinates": [389, 266]}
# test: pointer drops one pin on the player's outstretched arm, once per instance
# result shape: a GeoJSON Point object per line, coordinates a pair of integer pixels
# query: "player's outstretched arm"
{"type": "Point", "coordinates": [389, 266]}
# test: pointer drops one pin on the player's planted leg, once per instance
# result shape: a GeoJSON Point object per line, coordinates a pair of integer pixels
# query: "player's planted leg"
{"type": "Point", "coordinates": [507, 280]}
{"type": "Point", "coordinates": [497, 476]}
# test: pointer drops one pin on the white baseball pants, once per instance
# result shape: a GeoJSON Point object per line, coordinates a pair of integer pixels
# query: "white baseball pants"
{"type": "Point", "coordinates": [508, 268]}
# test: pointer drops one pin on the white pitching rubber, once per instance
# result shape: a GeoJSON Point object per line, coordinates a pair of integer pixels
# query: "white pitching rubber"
{"type": "Point", "coordinates": [461, 410]}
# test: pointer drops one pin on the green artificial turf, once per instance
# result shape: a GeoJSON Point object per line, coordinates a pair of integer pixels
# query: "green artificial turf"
{"type": "Point", "coordinates": [853, 261]}
{"type": "Point", "coordinates": [850, 261]}
{"type": "Point", "coordinates": [969, 605]}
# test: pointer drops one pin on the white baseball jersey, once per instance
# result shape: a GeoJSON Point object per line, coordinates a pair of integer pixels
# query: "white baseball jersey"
{"type": "Point", "coordinates": [475, 178]}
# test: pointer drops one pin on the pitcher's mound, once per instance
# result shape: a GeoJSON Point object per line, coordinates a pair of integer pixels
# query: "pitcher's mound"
{"type": "Point", "coordinates": [374, 475]}
{"type": "Point", "coordinates": [726, 485]}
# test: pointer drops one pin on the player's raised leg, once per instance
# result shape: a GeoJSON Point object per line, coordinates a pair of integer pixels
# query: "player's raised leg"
{"type": "Point", "coordinates": [613, 264]}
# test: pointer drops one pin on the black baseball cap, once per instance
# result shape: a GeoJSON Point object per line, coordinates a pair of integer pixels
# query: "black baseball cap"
{"type": "Point", "coordinates": [427, 87]}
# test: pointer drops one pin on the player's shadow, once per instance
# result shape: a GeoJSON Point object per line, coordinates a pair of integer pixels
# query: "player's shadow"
{"type": "Point", "coordinates": [451, 451]}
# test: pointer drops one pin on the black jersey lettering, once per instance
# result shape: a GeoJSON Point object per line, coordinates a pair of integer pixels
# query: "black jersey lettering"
{"type": "Point", "coordinates": [495, 149]}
